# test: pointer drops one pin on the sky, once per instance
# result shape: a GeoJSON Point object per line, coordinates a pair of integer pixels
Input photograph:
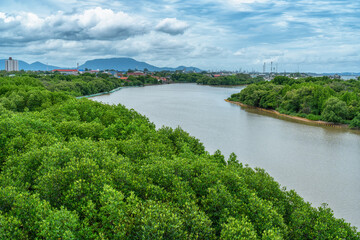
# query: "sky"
{"type": "Point", "coordinates": [237, 35]}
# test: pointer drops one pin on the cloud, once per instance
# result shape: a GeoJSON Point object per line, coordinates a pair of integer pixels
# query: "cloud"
{"type": "Point", "coordinates": [210, 34]}
{"type": "Point", "coordinates": [248, 5]}
{"type": "Point", "coordinates": [172, 26]}
{"type": "Point", "coordinates": [101, 23]}
{"type": "Point", "coordinates": [95, 24]}
{"type": "Point", "coordinates": [242, 2]}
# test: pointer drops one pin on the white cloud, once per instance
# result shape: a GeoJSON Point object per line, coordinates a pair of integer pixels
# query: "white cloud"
{"type": "Point", "coordinates": [247, 5]}
{"type": "Point", "coordinates": [239, 2]}
{"type": "Point", "coordinates": [210, 34]}
{"type": "Point", "coordinates": [31, 21]}
{"type": "Point", "coordinates": [6, 19]}
{"type": "Point", "coordinates": [96, 23]}
{"type": "Point", "coordinates": [172, 26]}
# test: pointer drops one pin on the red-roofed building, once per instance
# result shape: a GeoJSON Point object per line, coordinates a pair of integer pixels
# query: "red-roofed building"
{"type": "Point", "coordinates": [67, 71]}
{"type": "Point", "coordinates": [163, 79]}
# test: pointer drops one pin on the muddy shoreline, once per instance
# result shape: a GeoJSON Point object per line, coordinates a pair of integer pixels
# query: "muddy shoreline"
{"type": "Point", "coordinates": [300, 119]}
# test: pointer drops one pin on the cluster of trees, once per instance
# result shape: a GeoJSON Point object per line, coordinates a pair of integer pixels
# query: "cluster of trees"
{"type": "Point", "coordinates": [180, 77]}
{"type": "Point", "coordinates": [78, 169]}
{"type": "Point", "coordinates": [26, 93]}
{"type": "Point", "coordinates": [321, 98]}
{"type": "Point", "coordinates": [141, 80]}
{"type": "Point", "coordinates": [205, 79]}
{"type": "Point", "coordinates": [80, 85]}
{"type": "Point", "coordinates": [238, 79]}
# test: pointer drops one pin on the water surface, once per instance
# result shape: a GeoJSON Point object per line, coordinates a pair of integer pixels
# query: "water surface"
{"type": "Point", "coordinates": [322, 164]}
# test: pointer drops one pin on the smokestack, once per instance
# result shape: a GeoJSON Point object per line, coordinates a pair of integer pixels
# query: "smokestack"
{"type": "Point", "coordinates": [264, 67]}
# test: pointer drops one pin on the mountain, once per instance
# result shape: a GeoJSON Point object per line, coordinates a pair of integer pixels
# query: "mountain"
{"type": "Point", "coordinates": [182, 68]}
{"type": "Point", "coordinates": [120, 64]}
{"type": "Point", "coordinates": [39, 66]}
{"type": "Point", "coordinates": [36, 66]}
{"type": "Point", "coordinates": [124, 64]}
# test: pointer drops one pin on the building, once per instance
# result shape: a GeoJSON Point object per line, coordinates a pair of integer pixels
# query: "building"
{"type": "Point", "coordinates": [160, 79]}
{"type": "Point", "coordinates": [11, 65]}
{"type": "Point", "coordinates": [136, 74]}
{"type": "Point", "coordinates": [66, 71]}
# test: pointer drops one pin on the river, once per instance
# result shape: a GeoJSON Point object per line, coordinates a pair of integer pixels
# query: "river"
{"type": "Point", "coordinates": [322, 164]}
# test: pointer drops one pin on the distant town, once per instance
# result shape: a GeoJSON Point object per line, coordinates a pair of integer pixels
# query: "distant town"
{"type": "Point", "coordinates": [164, 76]}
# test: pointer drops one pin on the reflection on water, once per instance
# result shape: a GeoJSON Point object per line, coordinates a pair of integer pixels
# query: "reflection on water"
{"type": "Point", "coordinates": [321, 163]}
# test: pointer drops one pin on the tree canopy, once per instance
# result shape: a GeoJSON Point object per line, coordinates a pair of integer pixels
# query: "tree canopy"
{"type": "Point", "coordinates": [320, 98]}
{"type": "Point", "coordinates": [78, 169]}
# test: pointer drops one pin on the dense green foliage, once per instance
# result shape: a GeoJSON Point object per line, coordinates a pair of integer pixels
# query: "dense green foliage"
{"type": "Point", "coordinates": [141, 80]}
{"type": "Point", "coordinates": [27, 93]}
{"type": "Point", "coordinates": [78, 169]}
{"type": "Point", "coordinates": [206, 79]}
{"type": "Point", "coordinates": [320, 98]}
{"type": "Point", "coordinates": [238, 79]}
{"type": "Point", "coordinates": [81, 85]}
{"type": "Point", "coordinates": [185, 77]}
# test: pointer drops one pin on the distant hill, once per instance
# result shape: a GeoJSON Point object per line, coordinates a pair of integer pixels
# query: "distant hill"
{"type": "Point", "coordinates": [124, 64]}
{"type": "Point", "coordinates": [36, 66]}
{"type": "Point", "coordinates": [120, 64]}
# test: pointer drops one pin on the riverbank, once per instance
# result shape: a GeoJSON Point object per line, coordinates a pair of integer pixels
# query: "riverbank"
{"type": "Point", "coordinates": [114, 90]}
{"type": "Point", "coordinates": [101, 93]}
{"type": "Point", "coordinates": [111, 91]}
{"type": "Point", "coordinates": [300, 119]}
{"type": "Point", "coordinates": [240, 85]}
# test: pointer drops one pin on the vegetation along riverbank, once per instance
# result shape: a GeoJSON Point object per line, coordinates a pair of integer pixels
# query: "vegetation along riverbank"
{"type": "Point", "coordinates": [321, 100]}
{"type": "Point", "coordinates": [298, 119]}
{"type": "Point", "coordinates": [213, 79]}
{"type": "Point", "coordinates": [78, 169]}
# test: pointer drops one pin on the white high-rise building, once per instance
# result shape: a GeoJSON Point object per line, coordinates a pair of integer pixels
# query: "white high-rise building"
{"type": "Point", "coordinates": [11, 65]}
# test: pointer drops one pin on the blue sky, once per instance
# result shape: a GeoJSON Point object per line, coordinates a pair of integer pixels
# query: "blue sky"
{"type": "Point", "coordinates": [309, 35]}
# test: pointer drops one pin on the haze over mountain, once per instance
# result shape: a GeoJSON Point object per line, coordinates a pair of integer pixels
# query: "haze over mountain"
{"type": "Point", "coordinates": [120, 64]}
{"type": "Point", "coordinates": [32, 67]}
{"type": "Point", "coordinates": [124, 64]}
